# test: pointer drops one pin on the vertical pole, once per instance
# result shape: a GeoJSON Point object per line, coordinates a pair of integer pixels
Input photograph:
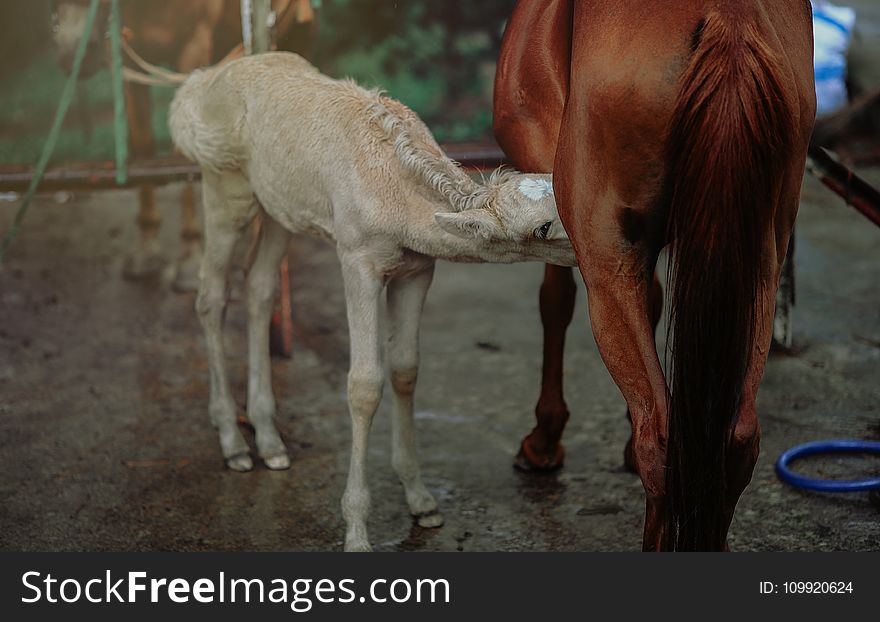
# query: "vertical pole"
{"type": "Point", "coordinates": [257, 38]}
{"type": "Point", "coordinates": [247, 26]}
{"type": "Point", "coordinates": [262, 30]}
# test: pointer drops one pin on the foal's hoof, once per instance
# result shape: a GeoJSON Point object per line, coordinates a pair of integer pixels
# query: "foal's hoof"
{"type": "Point", "coordinates": [279, 462]}
{"type": "Point", "coordinates": [530, 461]}
{"type": "Point", "coordinates": [142, 267]}
{"type": "Point", "coordinates": [431, 520]}
{"type": "Point", "coordinates": [240, 463]}
{"type": "Point", "coordinates": [358, 547]}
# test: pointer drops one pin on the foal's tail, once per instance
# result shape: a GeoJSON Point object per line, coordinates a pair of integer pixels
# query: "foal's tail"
{"type": "Point", "coordinates": [730, 134]}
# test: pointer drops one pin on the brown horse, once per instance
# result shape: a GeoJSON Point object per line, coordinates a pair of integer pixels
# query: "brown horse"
{"type": "Point", "coordinates": [680, 123]}
{"type": "Point", "coordinates": [185, 35]}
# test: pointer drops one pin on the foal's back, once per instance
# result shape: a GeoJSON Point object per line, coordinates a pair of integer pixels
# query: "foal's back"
{"type": "Point", "coordinates": [275, 103]}
{"type": "Point", "coordinates": [308, 144]}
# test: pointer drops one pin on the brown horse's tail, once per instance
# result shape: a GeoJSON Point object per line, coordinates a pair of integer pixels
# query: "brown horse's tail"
{"type": "Point", "coordinates": [730, 132]}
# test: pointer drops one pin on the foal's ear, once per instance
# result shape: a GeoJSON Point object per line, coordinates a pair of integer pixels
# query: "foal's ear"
{"type": "Point", "coordinates": [472, 223]}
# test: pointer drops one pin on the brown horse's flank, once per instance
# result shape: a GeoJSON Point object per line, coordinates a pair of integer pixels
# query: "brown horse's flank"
{"type": "Point", "coordinates": [729, 142]}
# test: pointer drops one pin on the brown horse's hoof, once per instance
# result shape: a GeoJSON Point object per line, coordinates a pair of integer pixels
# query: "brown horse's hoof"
{"type": "Point", "coordinates": [186, 276]}
{"type": "Point", "coordinates": [143, 267]}
{"type": "Point", "coordinates": [530, 461]}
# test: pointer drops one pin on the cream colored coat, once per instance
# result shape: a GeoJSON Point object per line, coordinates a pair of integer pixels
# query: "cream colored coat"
{"type": "Point", "coordinates": [331, 159]}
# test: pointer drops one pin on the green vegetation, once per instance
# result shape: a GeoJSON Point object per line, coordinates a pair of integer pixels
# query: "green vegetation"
{"type": "Point", "coordinates": [27, 107]}
{"type": "Point", "coordinates": [435, 55]}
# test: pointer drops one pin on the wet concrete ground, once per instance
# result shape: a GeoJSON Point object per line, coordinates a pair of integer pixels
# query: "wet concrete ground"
{"type": "Point", "coordinates": [105, 442]}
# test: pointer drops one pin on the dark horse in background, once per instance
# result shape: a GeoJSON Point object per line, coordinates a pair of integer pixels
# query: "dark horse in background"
{"type": "Point", "coordinates": [853, 132]}
{"type": "Point", "coordinates": [183, 35]}
{"type": "Point", "coordinates": [666, 123]}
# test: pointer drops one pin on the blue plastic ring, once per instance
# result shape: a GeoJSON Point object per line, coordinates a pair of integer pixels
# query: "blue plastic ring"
{"type": "Point", "coordinates": [827, 447]}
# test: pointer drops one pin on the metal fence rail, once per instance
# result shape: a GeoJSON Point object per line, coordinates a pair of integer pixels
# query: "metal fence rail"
{"type": "Point", "coordinates": [101, 175]}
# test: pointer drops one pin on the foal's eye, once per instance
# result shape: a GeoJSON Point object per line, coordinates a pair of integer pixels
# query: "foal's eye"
{"type": "Point", "coordinates": [543, 231]}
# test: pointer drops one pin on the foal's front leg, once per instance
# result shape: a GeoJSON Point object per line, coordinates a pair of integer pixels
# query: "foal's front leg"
{"type": "Point", "coordinates": [365, 380]}
{"type": "Point", "coordinates": [406, 298]}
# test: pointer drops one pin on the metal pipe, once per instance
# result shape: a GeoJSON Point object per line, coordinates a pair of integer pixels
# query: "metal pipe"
{"type": "Point", "coordinates": [845, 183]}
{"type": "Point", "coordinates": [262, 32]}
{"type": "Point", "coordinates": [102, 175]}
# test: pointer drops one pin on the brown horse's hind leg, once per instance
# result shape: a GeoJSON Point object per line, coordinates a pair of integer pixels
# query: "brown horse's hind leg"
{"type": "Point", "coordinates": [618, 269]}
{"type": "Point", "coordinates": [655, 310]}
{"type": "Point", "coordinates": [542, 450]}
{"type": "Point", "coordinates": [624, 333]}
{"type": "Point", "coordinates": [144, 260]}
{"type": "Point", "coordinates": [742, 451]}
{"type": "Point", "coordinates": [622, 326]}
{"type": "Point", "coordinates": [606, 183]}
{"type": "Point", "coordinates": [196, 53]}
{"type": "Point", "coordinates": [186, 277]}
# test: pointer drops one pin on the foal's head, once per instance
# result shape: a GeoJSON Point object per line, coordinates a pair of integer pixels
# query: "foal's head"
{"type": "Point", "coordinates": [521, 208]}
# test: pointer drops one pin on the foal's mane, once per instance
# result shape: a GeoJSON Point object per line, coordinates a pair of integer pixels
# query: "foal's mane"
{"type": "Point", "coordinates": [417, 152]}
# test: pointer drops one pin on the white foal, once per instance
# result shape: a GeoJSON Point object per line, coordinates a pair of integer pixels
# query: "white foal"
{"type": "Point", "coordinates": [310, 154]}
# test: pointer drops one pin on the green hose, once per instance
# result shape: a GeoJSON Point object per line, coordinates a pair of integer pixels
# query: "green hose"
{"type": "Point", "coordinates": [120, 121]}
{"type": "Point", "coordinates": [66, 98]}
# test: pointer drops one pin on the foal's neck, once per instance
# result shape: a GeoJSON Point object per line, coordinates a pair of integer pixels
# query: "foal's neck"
{"type": "Point", "coordinates": [423, 235]}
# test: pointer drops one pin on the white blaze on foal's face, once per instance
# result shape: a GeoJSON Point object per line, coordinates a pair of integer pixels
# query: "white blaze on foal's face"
{"type": "Point", "coordinates": [527, 208]}
{"type": "Point", "coordinates": [524, 209]}
{"type": "Point", "coordinates": [536, 188]}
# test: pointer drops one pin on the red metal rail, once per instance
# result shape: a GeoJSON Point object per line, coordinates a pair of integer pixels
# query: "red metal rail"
{"type": "Point", "coordinates": [98, 175]}
{"type": "Point", "coordinates": [481, 156]}
{"type": "Point", "coordinates": [845, 183]}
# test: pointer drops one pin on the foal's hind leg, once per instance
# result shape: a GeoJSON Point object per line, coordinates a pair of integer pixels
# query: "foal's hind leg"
{"type": "Point", "coordinates": [542, 449]}
{"type": "Point", "coordinates": [229, 207]}
{"type": "Point", "coordinates": [262, 281]}
{"type": "Point", "coordinates": [406, 298]}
